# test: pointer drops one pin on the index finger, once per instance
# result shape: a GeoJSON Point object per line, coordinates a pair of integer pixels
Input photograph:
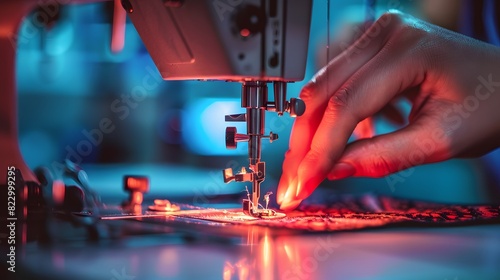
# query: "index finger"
{"type": "Point", "coordinates": [322, 86]}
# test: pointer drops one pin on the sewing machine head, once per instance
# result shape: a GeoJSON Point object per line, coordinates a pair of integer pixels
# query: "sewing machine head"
{"type": "Point", "coordinates": [233, 40]}
{"type": "Point", "coordinates": [250, 41]}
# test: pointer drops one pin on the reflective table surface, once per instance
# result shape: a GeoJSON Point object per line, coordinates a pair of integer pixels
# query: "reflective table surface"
{"type": "Point", "coordinates": [159, 252]}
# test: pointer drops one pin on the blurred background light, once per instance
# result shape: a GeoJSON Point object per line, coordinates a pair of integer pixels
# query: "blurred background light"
{"type": "Point", "coordinates": [204, 127]}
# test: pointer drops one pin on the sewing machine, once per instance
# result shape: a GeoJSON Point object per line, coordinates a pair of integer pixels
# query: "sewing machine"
{"type": "Point", "coordinates": [248, 41]}
{"type": "Point", "coordinates": [255, 43]}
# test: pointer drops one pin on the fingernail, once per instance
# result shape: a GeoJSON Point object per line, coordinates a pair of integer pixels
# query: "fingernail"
{"type": "Point", "coordinates": [290, 205]}
{"type": "Point", "coordinates": [341, 171]}
{"type": "Point", "coordinates": [280, 197]}
{"type": "Point", "coordinates": [306, 179]}
{"type": "Point", "coordinates": [306, 188]}
{"type": "Point", "coordinates": [283, 187]}
{"type": "Point", "coordinates": [290, 192]}
{"type": "Point", "coordinates": [299, 188]}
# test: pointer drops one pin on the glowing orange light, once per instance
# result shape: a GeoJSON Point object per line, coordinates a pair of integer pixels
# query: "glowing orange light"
{"type": "Point", "coordinates": [244, 270]}
{"type": "Point", "coordinates": [168, 263]}
{"type": "Point", "coordinates": [137, 183]}
{"type": "Point", "coordinates": [244, 32]}
{"type": "Point", "coordinates": [267, 257]}
{"type": "Point", "coordinates": [118, 29]}
{"type": "Point", "coordinates": [227, 273]}
{"type": "Point", "coordinates": [58, 191]}
{"type": "Point", "coordinates": [266, 250]}
{"type": "Point", "coordinates": [288, 251]}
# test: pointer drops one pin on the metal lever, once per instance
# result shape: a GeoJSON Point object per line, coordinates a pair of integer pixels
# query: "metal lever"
{"type": "Point", "coordinates": [232, 137]}
{"type": "Point", "coordinates": [295, 107]}
{"type": "Point", "coordinates": [279, 97]}
{"type": "Point", "coordinates": [243, 176]}
{"type": "Point", "coordinates": [272, 137]}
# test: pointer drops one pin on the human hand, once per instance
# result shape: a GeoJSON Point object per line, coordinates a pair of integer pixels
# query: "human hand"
{"type": "Point", "coordinates": [452, 81]}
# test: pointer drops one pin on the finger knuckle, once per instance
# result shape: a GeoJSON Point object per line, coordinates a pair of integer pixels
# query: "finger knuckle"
{"type": "Point", "coordinates": [402, 24]}
{"type": "Point", "coordinates": [339, 101]}
{"type": "Point", "coordinates": [316, 153]}
{"type": "Point", "coordinates": [288, 156]}
{"type": "Point", "coordinates": [411, 34]}
{"type": "Point", "coordinates": [407, 26]}
{"type": "Point", "coordinates": [392, 18]}
{"type": "Point", "coordinates": [380, 161]}
{"type": "Point", "coordinates": [307, 93]}
{"type": "Point", "coordinates": [385, 165]}
{"type": "Point", "coordinates": [380, 166]}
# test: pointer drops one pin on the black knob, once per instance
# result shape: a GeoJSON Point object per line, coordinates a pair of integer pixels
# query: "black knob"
{"type": "Point", "coordinates": [273, 137]}
{"type": "Point", "coordinates": [74, 199]}
{"type": "Point", "coordinates": [231, 137]}
{"type": "Point", "coordinates": [296, 107]}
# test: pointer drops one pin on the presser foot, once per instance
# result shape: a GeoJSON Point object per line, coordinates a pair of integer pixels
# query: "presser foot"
{"type": "Point", "coordinates": [251, 205]}
{"type": "Point", "coordinates": [264, 213]}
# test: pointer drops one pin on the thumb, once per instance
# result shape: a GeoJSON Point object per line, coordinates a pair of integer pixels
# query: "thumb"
{"type": "Point", "coordinates": [365, 129]}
